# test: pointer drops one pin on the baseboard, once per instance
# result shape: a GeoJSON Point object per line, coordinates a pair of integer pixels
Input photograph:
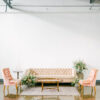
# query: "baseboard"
{"type": "Point", "coordinates": [1, 80]}
{"type": "Point", "coordinates": [97, 82]}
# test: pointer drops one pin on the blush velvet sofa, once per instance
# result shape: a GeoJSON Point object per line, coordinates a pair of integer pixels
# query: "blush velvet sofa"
{"type": "Point", "coordinates": [66, 75]}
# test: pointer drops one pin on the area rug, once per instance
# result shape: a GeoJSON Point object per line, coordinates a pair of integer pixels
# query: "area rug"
{"type": "Point", "coordinates": [63, 91]}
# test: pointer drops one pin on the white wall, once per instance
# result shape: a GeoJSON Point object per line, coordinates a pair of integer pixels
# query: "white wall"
{"type": "Point", "coordinates": [49, 39]}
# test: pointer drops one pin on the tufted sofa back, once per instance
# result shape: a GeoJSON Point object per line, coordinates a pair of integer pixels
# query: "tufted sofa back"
{"type": "Point", "coordinates": [55, 71]}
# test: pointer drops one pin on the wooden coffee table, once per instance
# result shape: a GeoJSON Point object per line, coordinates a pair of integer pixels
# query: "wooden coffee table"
{"type": "Point", "coordinates": [49, 80]}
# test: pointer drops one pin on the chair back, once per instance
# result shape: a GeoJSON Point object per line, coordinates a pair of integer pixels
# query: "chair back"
{"type": "Point", "coordinates": [6, 75]}
{"type": "Point", "coordinates": [92, 76]}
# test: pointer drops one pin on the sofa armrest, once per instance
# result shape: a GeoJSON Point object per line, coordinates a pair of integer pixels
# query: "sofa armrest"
{"type": "Point", "coordinates": [73, 73]}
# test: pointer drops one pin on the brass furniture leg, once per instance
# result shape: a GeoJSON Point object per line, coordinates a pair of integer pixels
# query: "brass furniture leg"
{"type": "Point", "coordinates": [58, 86]}
{"type": "Point", "coordinates": [42, 86]}
{"type": "Point", "coordinates": [16, 89]}
{"type": "Point", "coordinates": [4, 90]}
{"type": "Point", "coordinates": [8, 89]}
{"type": "Point", "coordinates": [94, 90]}
{"type": "Point", "coordinates": [82, 90]}
{"type": "Point", "coordinates": [20, 86]}
{"type": "Point", "coordinates": [79, 86]}
{"type": "Point", "coordinates": [91, 90]}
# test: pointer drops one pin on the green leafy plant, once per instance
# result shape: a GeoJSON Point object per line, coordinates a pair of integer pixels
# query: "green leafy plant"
{"type": "Point", "coordinates": [75, 82]}
{"type": "Point", "coordinates": [28, 80]}
{"type": "Point", "coordinates": [80, 66]}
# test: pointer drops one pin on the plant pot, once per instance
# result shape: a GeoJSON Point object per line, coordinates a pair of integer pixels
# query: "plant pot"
{"type": "Point", "coordinates": [80, 75]}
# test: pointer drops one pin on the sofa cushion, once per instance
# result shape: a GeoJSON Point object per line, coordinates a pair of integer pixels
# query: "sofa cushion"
{"type": "Point", "coordinates": [54, 76]}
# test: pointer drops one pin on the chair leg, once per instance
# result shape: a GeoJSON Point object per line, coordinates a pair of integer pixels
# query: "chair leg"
{"type": "Point", "coordinates": [20, 86]}
{"type": "Point", "coordinates": [16, 89]}
{"type": "Point", "coordinates": [8, 89]}
{"type": "Point", "coordinates": [82, 90]}
{"type": "Point", "coordinates": [4, 90]}
{"type": "Point", "coordinates": [94, 90]}
{"type": "Point", "coordinates": [79, 86]}
{"type": "Point", "coordinates": [91, 90]}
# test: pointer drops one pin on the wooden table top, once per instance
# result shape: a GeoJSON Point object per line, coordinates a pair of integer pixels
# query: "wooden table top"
{"type": "Point", "coordinates": [49, 80]}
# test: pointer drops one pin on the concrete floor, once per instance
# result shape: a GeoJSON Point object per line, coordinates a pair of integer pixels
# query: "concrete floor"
{"type": "Point", "coordinates": [87, 96]}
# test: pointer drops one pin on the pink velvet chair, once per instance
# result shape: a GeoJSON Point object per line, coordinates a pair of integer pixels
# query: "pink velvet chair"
{"type": "Point", "coordinates": [90, 81]}
{"type": "Point", "coordinates": [9, 80]}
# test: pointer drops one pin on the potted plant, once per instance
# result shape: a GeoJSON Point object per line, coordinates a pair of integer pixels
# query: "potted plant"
{"type": "Point", "coordinates": [80, 66]}
{"type": "Point", "coordinates": [28, 80]}
{"type": "Point", "coordinates": [75, 82]}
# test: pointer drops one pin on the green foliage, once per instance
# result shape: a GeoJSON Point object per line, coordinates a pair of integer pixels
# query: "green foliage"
{"type": "Point", "coordinates": [75, 82]}
{"type": "Point", "coordinates": [80, 66]}
{"type": "Point", "coordinates": [28, 80]}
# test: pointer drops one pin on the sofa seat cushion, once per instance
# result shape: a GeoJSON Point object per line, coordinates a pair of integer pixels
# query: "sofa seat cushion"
{"type": "Point", "coordinates": [54, 76]}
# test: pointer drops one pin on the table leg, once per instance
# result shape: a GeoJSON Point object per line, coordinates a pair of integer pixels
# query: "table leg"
{"type": "Point", "coordinates": [58, 86]}
{"type": "Point", "coordinates": [42, 86]}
